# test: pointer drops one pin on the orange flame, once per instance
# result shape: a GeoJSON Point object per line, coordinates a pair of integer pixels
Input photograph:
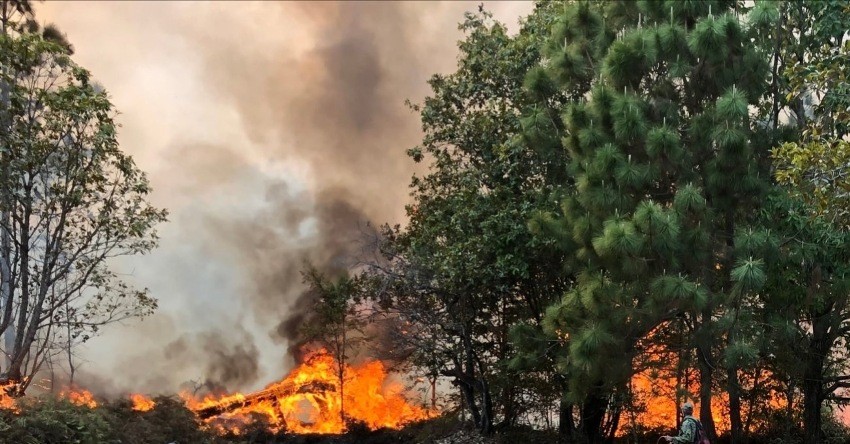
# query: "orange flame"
{"type": "Point", "coordinates": [7, 401]}
{"type": "Point", "coordinates": [659, 390]}
{"type": "Point", "coordinates": [80, 397]}
{"type": "Point", "coordinates": [308, 400]}
{"type": "Point", "coordinates": [141, 403]}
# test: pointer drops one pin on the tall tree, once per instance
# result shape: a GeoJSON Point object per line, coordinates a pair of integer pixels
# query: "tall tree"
{"type": "Point", "coordinates": [337, 323]}
{"type": "Point", "coordinates": [814, 168]}
{"type": "Point", "coordinates": [805, 304]}
{"type": "Point", "coordinates": [17, 16]}
{"type": "Point", "coordinates": [70, 200]}
{"type": "Point", "coordinates": [668, 166]}
{"type": "Point", "coordinates": [466, 267]}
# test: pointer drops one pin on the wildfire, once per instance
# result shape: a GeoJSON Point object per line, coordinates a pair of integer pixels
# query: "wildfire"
{"type": "Point", "coordinates": [7, 401]}
{"type": "Point", "coordinates": [657, 394]}
{"type": "Point", "coordinates": [659, 390]}
{"type": "Point", "coordinates": [141, 403]}
{"type": "Point", "coordinates": [309, 400]}
{"type": "Point", "coordinates": [80, 397]}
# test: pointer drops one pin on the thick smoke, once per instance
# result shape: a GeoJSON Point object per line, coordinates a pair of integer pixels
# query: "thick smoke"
{"type": "Point", "coordinates": [231, 364]}
{"type": "Point", "coordinates": [274, 132]}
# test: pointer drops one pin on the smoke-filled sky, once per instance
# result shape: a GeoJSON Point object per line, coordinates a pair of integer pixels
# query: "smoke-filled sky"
{"type": "Point", "coordinates": [272, 132]}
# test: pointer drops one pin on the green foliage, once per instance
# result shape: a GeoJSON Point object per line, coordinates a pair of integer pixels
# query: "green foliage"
{"type": "Point", "coordinates": [749, 274]}
{"type": "Point", "coordinates": [817, 93]}
{"type": "Point", "coordinates": [816, 172]}
{"type": "Point", "coordinates": [47, 421]}
{"type": "Point", "coordinates": [466, 268]}
{"type": "Point", "coordinates": [70, 200]}
{"type": "Point", "coordinates": [168, 421]}
{"type": "Point", "coordinates": [662, 152]}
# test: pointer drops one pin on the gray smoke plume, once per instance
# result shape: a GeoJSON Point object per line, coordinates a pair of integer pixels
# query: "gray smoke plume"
{"type": "Point", "coordinates": [273, 132]}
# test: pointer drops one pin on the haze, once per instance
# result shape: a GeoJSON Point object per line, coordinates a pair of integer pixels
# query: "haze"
{"type": "Point", "coordinates": [272, 132]}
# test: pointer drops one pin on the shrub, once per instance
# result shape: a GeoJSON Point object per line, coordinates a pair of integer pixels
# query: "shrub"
{"type": "Point", "coordinates": [168, 421]}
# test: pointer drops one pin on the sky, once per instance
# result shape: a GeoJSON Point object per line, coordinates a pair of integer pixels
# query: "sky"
{"type": "Point", "coordinates": [272, 132]}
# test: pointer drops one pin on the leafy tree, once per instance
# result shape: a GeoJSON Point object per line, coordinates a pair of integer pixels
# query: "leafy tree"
{"type": "Point", "coordinates": [805, 304]}
{"type": "Point", "coordinates": [810, 277]}
{"type": "Point", "coordinates": [465, 269]}
{"type": "Point", "coordinates": [69, 201]}
{"type": "Point", "coordinates": [814, 61]}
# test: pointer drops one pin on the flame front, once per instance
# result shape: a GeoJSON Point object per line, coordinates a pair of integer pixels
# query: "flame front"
{"type": "Point", "coordinates": [659, 390]}
{"type": "Point", "coordinates": [80, 397]}
{"type": "Point", "coordinates": [7, 401]}
{"type": "Point", "coordinates": [308, 400]}
{"type": "Point", "coordinates": [141, 403]}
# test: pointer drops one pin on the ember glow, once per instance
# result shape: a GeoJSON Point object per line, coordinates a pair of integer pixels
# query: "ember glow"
{"type": "Point", "coordinates": [141, 403]}
{"type": "Point", "coordinates": [308, 400]}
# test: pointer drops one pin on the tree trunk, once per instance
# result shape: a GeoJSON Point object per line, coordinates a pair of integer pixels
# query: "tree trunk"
{"type": "Point", "coordinates": [705, 379]}
{"type": "Point", "coordinates": [6, 279]}
{"type": "Point", "coordinates": [434, 393]}
{"type": "Point", "coordinates": [789, 408]}
{"type": "Point", "coordinates": [23, 338]}
{"type": "Point", "coordinates": [813, 389]}
{"type": "Point", "coordinates": [469, 397]}
{"type": "Point", "coordinates": [6, 291]}
{"type": "Point", "coordinates": [613, 424]}
{"type": "Point", "coordinates": [592, 414]}
{"type": "Point", "coordinates": [811, 409]}
{"type": "Point", "coordinates": [486, 426]}
{"type": "Point", "coordinates": [508, 405]}
{"type": "Point", "coordinates": [566, 427]}
{"type": "Point", "coordinates": [734, 390]}
{"type": "Point", "coordinates": [341, 366]}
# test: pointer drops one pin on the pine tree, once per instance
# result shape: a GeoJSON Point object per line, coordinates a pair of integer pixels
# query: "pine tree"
{"type": "Point", "coordinates": [668, 167]}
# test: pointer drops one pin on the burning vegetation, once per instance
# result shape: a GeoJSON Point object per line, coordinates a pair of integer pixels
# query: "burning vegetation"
{"type": "Point", "coordinates": [141, 403]}
{"type": "Point", "coordinates": [309, 400]}
{"type": "Point", "coordinates": [77, 396]}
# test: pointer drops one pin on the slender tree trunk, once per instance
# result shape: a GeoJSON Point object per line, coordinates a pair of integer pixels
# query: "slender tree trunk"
{"type": "Point", "coordinates": [789, 407]}
{"type": "Point", "coordinates": [469, 398]}
{"type": "Point", "coordinates": [751, 402]}
{"type": "Point", "coordinates": [774, 83]}
{"type": "Point", "coordinates": [613, 424]}
{"type": "Point", "coordinates": [566, 425]}
{"type": "Point", "coordinates": [6, 289]}
{"type": "Point", "coordinates": [5, 219]}
{"type": "Point", "coordinates": [486, 427]}
{"type": "Point", "coordinates": [342, 378]}
{"type": "Point", "coordinates": [508, 407]}
{"type": "Point", "coordinates": [22, 336]}
{"type": "Point", "coordinates": [434, 393]}
{"type": "Point", "coordinates": [813, 392]}
{"type": "Point", "coordinates": [72, 368]}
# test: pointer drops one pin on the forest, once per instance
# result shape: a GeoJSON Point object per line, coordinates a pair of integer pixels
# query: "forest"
{"type": "Point", "coordinates": [624, 206]}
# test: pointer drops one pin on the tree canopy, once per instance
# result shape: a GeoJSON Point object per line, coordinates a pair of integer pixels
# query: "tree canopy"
{"type": "Point", "coordinates": [606, 186]}
{"type": "Point", "coordinates": [70, 200]}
